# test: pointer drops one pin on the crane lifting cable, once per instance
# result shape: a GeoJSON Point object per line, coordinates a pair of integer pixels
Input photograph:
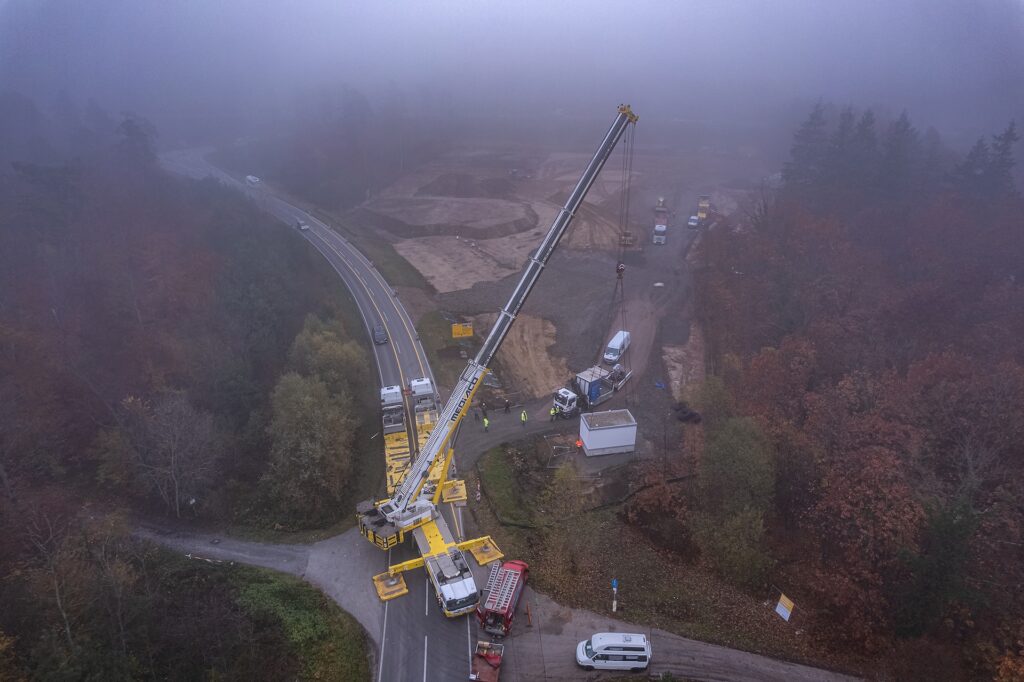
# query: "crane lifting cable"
{"type": "Point", "coordinates": [619, 294]}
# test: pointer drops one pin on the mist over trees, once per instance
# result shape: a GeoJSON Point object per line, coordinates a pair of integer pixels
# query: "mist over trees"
{"type": "Point", "coordinates": [866, 322]}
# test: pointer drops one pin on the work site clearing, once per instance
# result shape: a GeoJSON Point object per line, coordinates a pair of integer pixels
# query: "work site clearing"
{"type": "Point", "coordinates": [467, 223]}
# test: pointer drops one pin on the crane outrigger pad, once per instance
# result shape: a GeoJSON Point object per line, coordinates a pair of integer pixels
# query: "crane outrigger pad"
{"type": "Point", "coordinates": [390, 586]}
{"type": "Point", "coordinates": [454, 491]}
{"type": "Point", "coordinates": [484, 550]}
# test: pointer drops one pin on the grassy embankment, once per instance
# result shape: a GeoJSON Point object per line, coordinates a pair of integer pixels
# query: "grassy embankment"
{"type": "Point", "coordinates": [574, 552]}
{"type": "Point", "coordinates": [330, 643]}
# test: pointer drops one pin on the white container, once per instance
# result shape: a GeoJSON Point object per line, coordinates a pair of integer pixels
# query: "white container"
{"type": "Point", "coordinates": [607, 433]}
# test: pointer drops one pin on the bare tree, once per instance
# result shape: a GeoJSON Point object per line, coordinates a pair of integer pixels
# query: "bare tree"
{"type": "Point", "coordinates": [177, 460]}
{"type": "Point", "coordinates": [49, 540]}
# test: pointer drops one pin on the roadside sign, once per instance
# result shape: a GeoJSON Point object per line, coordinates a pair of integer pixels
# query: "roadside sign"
{"type": "Point", "coordinates": [615, 584]}
{"type": "Point", "coordinates": [461, 331]}
{"type": "Point", "coordinates": [785, 607]}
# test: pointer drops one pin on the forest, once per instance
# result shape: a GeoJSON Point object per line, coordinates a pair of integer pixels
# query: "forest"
{"type": "Point", "coordinates": [169, 351]}
{"type": "Point", "coordinates": [861, 449]}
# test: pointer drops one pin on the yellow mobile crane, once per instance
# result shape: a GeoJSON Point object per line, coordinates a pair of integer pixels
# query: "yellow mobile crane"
{"type": "Point", "coordinates": [412, 507]}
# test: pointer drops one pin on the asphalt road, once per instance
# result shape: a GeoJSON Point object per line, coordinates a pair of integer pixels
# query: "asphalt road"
{"type": "Point", "coordinates": [415, 640]}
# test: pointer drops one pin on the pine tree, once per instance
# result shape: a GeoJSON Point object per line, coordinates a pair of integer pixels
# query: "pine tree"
{"type": "Point", "coordinates": [998, 175]}
{"type": "Point", "coordinates": [969, 176]}
{"type": "Point", "coordinates": [802, 172]}
{"type": "Point", "coordinates": [901, 156]}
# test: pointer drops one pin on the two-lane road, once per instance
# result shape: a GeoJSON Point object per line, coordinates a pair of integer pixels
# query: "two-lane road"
{"type": "Point", "coordinates": [415, 640]}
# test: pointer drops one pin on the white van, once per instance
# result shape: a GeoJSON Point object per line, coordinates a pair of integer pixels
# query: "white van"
{"type": "Point", "coordinates": [616, 347]}
{"type": "Point", "coordinates": [614, 651]}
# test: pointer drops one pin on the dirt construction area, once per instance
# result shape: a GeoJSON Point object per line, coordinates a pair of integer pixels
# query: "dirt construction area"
{"type": "Point", "coordinates": [468, 221]}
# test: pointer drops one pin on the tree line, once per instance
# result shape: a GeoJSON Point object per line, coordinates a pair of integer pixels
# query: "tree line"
{"type": "Point", "coordinates": [861, 444]}
{"type": "Point", "coordinates": [166, 349]}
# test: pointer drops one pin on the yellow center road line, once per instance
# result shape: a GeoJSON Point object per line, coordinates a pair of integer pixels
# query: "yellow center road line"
{"type": "Point", "coordinates": [369, 295]}
{"type": "Point", "coordinates": [383, 321]}
{"type": "Point", "coordinates": [380, 279]}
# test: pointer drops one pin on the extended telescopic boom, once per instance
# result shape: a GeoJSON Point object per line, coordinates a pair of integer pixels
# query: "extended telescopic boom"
{"type": "Point", "coordinates": [407, 507]}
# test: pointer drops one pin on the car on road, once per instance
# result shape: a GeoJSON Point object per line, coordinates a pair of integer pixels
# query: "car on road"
{"type": "Point", "coordinates": [301, 224]}
{"type": "Point", "coordinates": [614, 651]}
{"type": "Point", "coordinates": [380, 334]}
{"type": "Point", "coordinates": [693, 223]}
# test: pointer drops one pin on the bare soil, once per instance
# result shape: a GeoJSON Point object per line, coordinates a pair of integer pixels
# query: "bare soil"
{"type": "Point", "coordinates": [685, 363]}
{"type": "Point", "coordinates": [538, 371]}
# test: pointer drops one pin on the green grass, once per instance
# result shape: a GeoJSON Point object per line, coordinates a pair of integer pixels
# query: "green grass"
{"type": "Point", "coordinates": [442, 350]}
{"type": "Point", "coordinates": [498, 482]}
{"type": "Point", "coordinates": [328, 641]}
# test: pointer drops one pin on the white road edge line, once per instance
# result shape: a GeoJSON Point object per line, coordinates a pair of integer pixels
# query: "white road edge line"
{"type": "Point", "coordinates": [424, 658]}
{"type": "Point", "coordinates": [469, 644]}
{"type": "Point", "coordinates": [384, 634]}
{"type": "Point", "coordinates": [426, 596]}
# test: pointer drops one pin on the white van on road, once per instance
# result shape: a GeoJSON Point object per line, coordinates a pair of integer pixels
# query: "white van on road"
{"type": "Point", "coordinates": [614, 651]}
{"type": "Point", "coordinates": [616, 347]}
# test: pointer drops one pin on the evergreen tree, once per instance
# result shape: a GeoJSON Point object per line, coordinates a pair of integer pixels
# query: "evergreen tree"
{"type": "Point", "coordinates": [802, 172]}
{"type": "Point", "coordinates": [901, 156]}
{"type": "Point", "coordinates": [864, 149]}
{"type": "Point", "coordinates": [969, 176]}
{"type": "Point", "coordinates": [998, 175]}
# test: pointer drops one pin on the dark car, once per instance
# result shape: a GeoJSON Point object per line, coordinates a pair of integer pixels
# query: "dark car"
{"type": "Point", "coordinates": [380, 335]}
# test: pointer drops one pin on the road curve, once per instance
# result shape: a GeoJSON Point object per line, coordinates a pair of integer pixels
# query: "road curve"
{"type": "Point", "coordinates": [415, 641]}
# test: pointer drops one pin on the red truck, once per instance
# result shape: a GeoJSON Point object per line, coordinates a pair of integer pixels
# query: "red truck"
{"type": "Point", "coordinates": [501, 596]}
{"type": "Point", "coordinates": [486, 663]}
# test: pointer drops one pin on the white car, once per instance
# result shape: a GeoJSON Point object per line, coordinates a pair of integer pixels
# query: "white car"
{"type": "Point", "coordinates": [614, 651]}
{"type": "Point", "coordinates": [302, 224]}
{"type": "Point", "coordinates": [693, 223]}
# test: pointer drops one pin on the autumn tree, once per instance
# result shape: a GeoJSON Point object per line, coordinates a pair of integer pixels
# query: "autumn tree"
{"type": "Point", "coordinates": [311, 456]}
{"type": "Point", "coordinates": [167, 450]}
{"type": "Point", "coordinates": [736, 482]}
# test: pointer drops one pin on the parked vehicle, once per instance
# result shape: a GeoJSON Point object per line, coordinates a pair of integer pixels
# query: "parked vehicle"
{"type": "Point", "coordinates": [693, 223]}
{"type": "Point", "coordinates": [485, 666]}
{"type": "Point", "coordinates": [614, 651]}
{"type": "Point", "coordinates": [501, 597]}
{"type": "Point", "coordinates": [588, 389]}
{"type": "Point", "coordinates": [660, 233]}
{"type": "Point", "coordinates": [616, 347]}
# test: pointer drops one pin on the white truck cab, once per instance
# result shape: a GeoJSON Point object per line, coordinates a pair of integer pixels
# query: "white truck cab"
{"type": "Point", "coordinates": [660, 233]}
{"type": "Point", "coordinates": [614, 651]}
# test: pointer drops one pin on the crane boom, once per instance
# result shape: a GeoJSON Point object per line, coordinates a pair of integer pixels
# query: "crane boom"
{"type": "Point", "coordinates": [407, 507]}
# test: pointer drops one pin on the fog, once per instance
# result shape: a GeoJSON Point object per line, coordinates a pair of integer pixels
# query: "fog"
{"type": "Point", "coordinates": [208, 69]}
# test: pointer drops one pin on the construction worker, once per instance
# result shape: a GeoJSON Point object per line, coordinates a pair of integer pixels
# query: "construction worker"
{"type": "Point", "coordinates": [579, 445]}
{"type": "Point", "coordinates": [522, 417]}
{"type": "Point", "coordinates": [508, 405]}
{"type": "Point", "coordinates": [553, 411]}
{"type": "Point", "coordinates": [487, 424]}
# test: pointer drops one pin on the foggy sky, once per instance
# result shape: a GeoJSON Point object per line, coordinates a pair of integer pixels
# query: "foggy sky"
{"type": "Point", "coordinates": [239, 64]}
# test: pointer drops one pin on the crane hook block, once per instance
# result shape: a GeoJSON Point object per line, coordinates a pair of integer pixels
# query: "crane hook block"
{"type": "Point", "coordinates": [620, 269]}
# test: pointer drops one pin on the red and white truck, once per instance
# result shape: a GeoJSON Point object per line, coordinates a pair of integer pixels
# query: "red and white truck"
{"type": "Point", "coordinates": [501, 596]}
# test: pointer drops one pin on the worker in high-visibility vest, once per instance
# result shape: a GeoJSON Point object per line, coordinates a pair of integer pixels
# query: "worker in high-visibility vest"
{"type": "Point", "coordinates": [553, 411]}
{"type": "Point", "coordinates": [487, 424]}
{"type": "Point", "coordinates": [522, 417]}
